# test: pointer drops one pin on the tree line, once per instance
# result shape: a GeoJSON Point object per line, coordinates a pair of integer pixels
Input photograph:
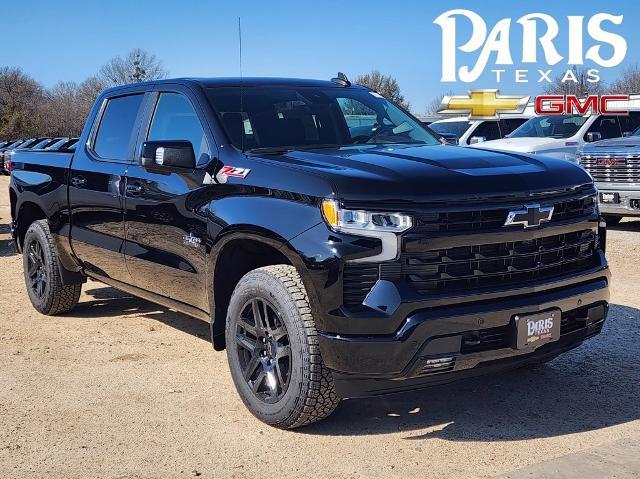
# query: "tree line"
{"type": "Point", "coordinates": [28, 109]}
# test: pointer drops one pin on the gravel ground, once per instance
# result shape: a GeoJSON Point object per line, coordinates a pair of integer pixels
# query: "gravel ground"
{"type": "Point", "coordinates": [125, 388]}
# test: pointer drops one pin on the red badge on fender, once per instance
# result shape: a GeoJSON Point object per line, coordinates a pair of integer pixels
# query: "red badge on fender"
{"type": "Point", "coordinates": [234, 171]}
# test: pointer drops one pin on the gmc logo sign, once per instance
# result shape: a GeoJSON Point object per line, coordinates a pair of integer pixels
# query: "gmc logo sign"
{"type": "Point", "coordinates": [572, 105]}
{"type": "Point", "coordinates": [610, 162]}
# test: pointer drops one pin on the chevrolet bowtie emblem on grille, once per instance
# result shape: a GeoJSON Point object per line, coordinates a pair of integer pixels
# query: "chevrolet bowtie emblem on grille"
{"type": "Point", "coordinates": [483, 104]}
{"type": "Point", "coordinates": [530, 216]}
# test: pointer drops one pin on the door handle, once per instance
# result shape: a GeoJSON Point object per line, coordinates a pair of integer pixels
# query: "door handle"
{"type": "Point", "coordinates": [135, 189]}
{"type": "Point", "coordinates": [78, 181]}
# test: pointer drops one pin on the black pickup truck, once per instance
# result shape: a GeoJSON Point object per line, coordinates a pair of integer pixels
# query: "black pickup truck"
{"type": "Point", "coordinates": [337, 247]}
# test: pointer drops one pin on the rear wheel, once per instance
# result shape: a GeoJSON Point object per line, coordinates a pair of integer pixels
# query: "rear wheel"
{"type": "Point", "coordinates": [273, 353]}
{"type": "Point", "coordinates": [612, 220]}
{"type": "Point", "coordinates": [46, 291]}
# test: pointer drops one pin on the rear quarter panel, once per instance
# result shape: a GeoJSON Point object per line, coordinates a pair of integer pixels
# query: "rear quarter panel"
{"type": "Point", "coordinates": [39, 180]}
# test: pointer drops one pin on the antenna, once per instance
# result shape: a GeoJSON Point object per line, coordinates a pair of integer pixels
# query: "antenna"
{"type": "Point", "coordinates": [241, 87]}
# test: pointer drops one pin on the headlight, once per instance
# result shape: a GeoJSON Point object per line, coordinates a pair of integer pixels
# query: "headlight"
{"type": "Point", "coordinates": [360, 220]}
{"type": "Point", "coordinates": [384, 226]}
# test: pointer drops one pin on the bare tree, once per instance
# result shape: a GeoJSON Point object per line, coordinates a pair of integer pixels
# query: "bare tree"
{"type": "Point", "coordinates": [581, 87]}
{"type": "Point", "coordinates": [386, 85]}
{"type": "Point", "coordinates": [139, 65]}
{"type": "Point", "coordinates": [628, 83]}
{"type": "Point", "coordinates": [434, 105]}
{"type": "Point", "coordinates": [20, 96]}
{"type": "Point", "coordinates": [88, 91]}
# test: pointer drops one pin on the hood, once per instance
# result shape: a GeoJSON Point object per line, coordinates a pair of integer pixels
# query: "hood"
{"type": "Point", "coordinates": [618, 143]}
{"type": "Point", "coordinates": [523, 145]}
{"type": "Point", "coordinates": [432, 173]}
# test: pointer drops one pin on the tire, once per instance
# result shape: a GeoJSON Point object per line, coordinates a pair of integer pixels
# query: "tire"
{"type": "Point", "coordinates": [276, 364]}
{"type": "Point", "coordinates": [612, 220]}
{"type": "Point", "coordinates": [41, 274]}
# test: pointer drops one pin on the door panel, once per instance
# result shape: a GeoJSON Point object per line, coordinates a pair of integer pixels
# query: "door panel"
{"type": "Point", "coordinates": [165, 249]}
{"type": "Point", "coordinates": [165, 234]}
{"type": "Point", "coordinates": [96, 187]}
{"type": "Point", "coordinates": [97, 232]}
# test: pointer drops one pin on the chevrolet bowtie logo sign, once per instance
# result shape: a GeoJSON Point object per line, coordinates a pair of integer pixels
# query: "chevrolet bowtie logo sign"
{"type": "Point", "coordinates": [530, 216]}
{"type": "Point", "coordinates": [483, 104]}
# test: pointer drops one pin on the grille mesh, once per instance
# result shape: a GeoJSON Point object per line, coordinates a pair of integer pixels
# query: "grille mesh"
{"type": "Point", "coordinates": [613, 169]}
{"type": "Point", "coordinates": [504, 264]}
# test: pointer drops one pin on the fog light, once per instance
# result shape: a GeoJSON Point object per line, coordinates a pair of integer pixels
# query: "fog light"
{"type": "Point", "coordinates": [437, 363]}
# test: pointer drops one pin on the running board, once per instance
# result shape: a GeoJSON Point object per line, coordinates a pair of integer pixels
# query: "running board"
{"type": "Point", "coordinates": [153, 297]}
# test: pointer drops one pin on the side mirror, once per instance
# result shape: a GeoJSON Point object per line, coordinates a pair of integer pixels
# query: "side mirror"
{"type": "Point", "coordinates": [477, 139]}
{"type": "Point", "coordinates": [593, 136]}
{"type": "Point", "coordinates": [168, 154]}
{"type": "Point", "coordinates": [627, 134]}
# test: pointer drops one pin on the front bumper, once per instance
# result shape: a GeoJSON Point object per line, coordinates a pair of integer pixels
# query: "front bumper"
{"type": "Point", "coordinates": [438, 345]}
{"type": "Point", "coordinates": [629, 200]}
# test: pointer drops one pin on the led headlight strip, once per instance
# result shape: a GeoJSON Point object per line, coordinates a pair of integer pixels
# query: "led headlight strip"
{"type": "Point", "coordinates": [375, 224]}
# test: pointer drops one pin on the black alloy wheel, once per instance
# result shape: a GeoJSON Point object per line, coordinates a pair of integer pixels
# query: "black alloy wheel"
{"type": "Point", "coordinates": [262, 343]}
{"type": "Point", "coordinates": [36, 270]}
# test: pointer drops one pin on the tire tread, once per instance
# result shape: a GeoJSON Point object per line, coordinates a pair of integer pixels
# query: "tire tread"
{"type": "Point", "coordinates": [62, 298]}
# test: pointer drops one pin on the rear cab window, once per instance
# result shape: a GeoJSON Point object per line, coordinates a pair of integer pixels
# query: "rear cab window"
{"type": "Point", "coordinates": [116, 128]}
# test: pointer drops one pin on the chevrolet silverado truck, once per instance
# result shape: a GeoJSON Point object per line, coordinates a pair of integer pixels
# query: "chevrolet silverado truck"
{"type": "Point", "coordinates": [615, 166]}
{"type": "Point", "coordinates": [332, 258]}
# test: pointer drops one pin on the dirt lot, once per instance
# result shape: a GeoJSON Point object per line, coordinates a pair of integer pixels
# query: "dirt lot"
{"type": "Point", "coordinates": [124, 388]}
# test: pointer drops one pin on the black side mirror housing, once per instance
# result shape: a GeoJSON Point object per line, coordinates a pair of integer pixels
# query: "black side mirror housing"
{"type": "Point", "coordinates": [168, 154]}
{"type": "Point", "coordinates": [593, 136]}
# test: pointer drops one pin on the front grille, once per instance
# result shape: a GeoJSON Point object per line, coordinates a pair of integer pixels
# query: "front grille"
{"type": "Point", "coordinates": [613, 169]}
{"type": "Point", "coordinates": [475, 220]}
{"type": "Point", "coordinates": [498, 264]}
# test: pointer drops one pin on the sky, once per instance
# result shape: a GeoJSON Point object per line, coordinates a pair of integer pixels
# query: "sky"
{"type": "Point", "coordinates": [70, 40]}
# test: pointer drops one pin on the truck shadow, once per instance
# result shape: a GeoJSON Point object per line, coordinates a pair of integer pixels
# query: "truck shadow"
{"type": "Point", "coordinates": [592, 387]}
{"type": "Point", "coordinates": [626, 225]}
{"type": "Point", "coordinates": [6, 243]}
{"type": "Point", "coordinates": [110, 302]}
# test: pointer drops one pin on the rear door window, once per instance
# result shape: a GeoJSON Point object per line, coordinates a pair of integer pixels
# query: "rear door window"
{"type": "Point", "coordinates": [113, 138]}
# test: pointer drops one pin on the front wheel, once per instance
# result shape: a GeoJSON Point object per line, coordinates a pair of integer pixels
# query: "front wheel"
{"type": "Point", "coordinates": [45, 288]}
{"type": "Point", "coordinates": [273, 353]}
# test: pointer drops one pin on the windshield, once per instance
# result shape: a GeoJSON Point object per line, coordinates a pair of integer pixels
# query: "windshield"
{"type": "Point", "coordinates": [551, 126]}
{"type": "Point", "coordinates": [296, 117]}
{"type": "Point", "coordinates": [457, 128]}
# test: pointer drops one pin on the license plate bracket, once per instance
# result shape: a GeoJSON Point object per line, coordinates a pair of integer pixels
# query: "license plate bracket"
{"type": "Point", "coordinates": [609, 198]}
{"type": "Point", "coordinates": [534, 330]}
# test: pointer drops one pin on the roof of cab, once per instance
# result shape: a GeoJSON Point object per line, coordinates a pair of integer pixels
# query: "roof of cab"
{"type": "Point", "coordinates": [236, 81]}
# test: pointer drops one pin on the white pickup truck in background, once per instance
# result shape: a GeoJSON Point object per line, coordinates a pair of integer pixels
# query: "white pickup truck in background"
{"type": "Point", "coordinates": [560, 136]}
{"type": "Point", "coordinates": [464, 132]}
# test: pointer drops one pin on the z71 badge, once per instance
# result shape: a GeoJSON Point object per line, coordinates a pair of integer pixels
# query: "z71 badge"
{"type": "Point", "coordinates": [234, 171]}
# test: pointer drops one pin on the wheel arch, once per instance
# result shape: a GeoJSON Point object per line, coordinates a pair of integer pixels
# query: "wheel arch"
{"type": "Point", "coordinates": [25, 215]}
{"type": "Point", "coordinates": [235, 255]}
